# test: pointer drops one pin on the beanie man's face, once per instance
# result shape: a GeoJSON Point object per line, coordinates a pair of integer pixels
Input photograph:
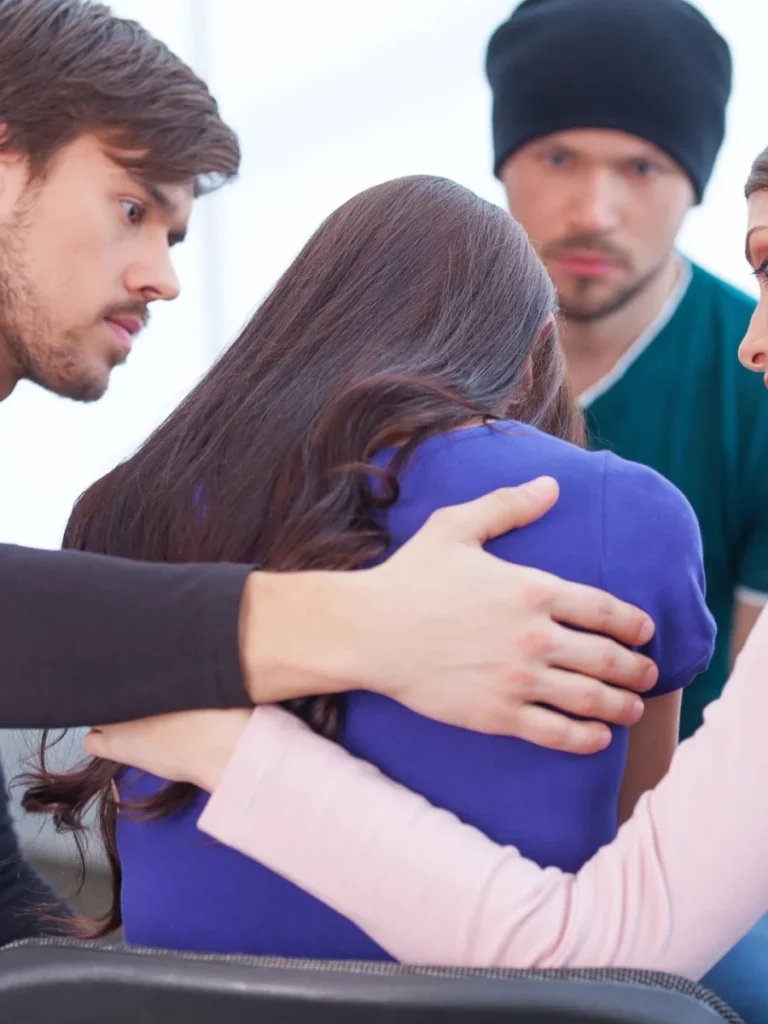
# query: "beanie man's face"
{"type": "Point", "coordinates": [603, 209]}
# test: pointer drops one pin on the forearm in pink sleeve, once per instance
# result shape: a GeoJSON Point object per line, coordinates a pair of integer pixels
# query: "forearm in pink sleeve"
{"type": "Point", "coordinates": [683, 880]}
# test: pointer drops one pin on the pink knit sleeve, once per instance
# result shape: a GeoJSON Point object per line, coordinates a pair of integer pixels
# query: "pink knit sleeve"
{"type": "Point", "coordinates": [685, 878]}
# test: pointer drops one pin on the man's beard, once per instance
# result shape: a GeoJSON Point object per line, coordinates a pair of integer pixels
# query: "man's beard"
{"type": "Point", "coordinates": [581, 311]}
{"type": "Point", "coordinates": [36, 350]}
{"type": "Point", "coordinates": [585, 314]}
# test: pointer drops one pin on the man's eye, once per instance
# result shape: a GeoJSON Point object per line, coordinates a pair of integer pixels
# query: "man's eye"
{"type": "Point", "coordinates": [557, 159]}
{"type": "Point", "coordinates": [641, 168]}
{"type": "Point", "coordinates": [134, 211]}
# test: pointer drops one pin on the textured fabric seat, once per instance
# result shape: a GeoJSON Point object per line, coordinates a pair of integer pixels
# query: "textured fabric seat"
{"type": "Point", "coordinates": [62, 982]}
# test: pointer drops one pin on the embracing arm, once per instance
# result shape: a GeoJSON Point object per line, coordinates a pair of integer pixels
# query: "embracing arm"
{"type": "Point", "coordinates": [86, 638]}
{"type": "Point", "coordinates": [430, 889]}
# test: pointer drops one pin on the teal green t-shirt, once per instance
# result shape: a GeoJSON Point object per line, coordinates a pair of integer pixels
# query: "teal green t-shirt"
{"type": "Point", "coordinates": [681, 403]}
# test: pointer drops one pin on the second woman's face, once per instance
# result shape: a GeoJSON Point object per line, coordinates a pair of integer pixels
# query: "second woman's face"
{"type": "Point", "coordinates": [753, 351]}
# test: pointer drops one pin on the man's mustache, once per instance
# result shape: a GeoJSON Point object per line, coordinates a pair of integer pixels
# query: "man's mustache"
{"type": "Point", "coordinates": [590, 243]}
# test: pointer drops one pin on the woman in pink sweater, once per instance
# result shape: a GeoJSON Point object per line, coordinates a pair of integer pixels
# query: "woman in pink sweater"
{"type": "Point", "coordinates": [685, 878]}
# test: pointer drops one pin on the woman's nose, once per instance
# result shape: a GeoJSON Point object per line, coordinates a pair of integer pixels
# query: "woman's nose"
{"type": "Point", "coordinates": [753, 353]}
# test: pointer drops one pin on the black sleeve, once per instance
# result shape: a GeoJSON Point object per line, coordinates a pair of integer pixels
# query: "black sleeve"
{"type": "Point", "coordinates": [28, 906]}
{"type": "Point", "coordinates": [88, 640]}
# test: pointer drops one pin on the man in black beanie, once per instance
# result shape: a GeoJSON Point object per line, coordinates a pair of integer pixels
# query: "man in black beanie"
{"type": "Point", "coordinates": [607, 120]}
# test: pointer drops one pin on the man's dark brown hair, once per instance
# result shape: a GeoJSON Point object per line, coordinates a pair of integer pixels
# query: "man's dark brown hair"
{"type": "Point", "coordinates": [70, 68]}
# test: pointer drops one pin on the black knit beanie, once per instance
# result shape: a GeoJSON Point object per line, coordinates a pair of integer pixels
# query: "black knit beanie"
{"type": "Point", "coordinates": [653, 68]}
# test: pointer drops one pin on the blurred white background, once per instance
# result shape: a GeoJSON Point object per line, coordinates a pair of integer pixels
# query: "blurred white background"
{"type": "Point", "coordinates": [327, 99]}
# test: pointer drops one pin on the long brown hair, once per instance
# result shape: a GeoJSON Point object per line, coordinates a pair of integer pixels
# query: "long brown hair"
{"type": "Point", "coordinates": [416, 308]}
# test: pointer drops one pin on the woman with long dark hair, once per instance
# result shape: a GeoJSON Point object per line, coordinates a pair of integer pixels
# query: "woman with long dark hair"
{"type": "Point", "coordinates": [407, 360]}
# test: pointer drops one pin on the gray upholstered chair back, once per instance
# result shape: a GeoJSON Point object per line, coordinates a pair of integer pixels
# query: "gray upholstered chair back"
{"type": "Point", "coordinates": [60, 982]}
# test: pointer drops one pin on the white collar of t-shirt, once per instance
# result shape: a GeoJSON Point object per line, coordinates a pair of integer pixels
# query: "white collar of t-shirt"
{"type": "Point", "coordinates": [639, 345]}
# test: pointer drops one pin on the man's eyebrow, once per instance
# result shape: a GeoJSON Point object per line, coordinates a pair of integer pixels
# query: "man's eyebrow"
{"type": "Point", "coordinates": [157, 194]}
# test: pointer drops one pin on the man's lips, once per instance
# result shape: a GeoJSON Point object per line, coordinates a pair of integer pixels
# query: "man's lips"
{"type": "Point", "coordinates": [125, 327]}
{"type": "Point", "coordinates": [586, 264]}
